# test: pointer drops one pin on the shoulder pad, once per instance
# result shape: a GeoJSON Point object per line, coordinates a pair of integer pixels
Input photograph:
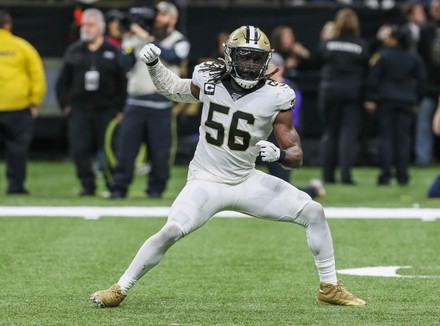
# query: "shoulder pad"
{"type": "Point", "coordinates": [287, 98]}
{"type": "Point", "coordinates": [285, 95]}
{"type": "Point", "coordinates": [201, 74]}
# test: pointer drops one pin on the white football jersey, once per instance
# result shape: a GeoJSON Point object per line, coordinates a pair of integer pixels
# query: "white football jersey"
{"type": "Point", "coordinates": [231, 125]}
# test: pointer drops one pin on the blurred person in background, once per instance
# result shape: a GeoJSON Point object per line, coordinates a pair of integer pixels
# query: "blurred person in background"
{"type": "Point", "coordinates": [91, 90]}
{"type": "Point", "coordinates": [328, 31]}
{"type": "Point", "coordinates": [434, 189]}
{"type": "Point", "coordinates": [344, 61]}
{"type": "Point", "coordinates": [276, 65]}
{"type": "Point", "coordinates": [22, 90]}
{"type": "Point", "coordinates": [148, 114]}
{"type": "Point", "coordinates": [113, 29]}
{"type": "Point", "coordinates": [75, 27]}
{"type": "Point", "coordinates": [284, 42]}
{"type": "Point", "coordinates": [394, 89]}
{"type": "Point", "coordinates": [429, 49]}
{"type": "Point", "coordinates": [219, 51]}
{"type": "Point", "coordinates": [415, 18]}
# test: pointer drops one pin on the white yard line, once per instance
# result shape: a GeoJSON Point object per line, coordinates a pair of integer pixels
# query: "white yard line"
{"type": "Point", "coordinates": [89, 212]}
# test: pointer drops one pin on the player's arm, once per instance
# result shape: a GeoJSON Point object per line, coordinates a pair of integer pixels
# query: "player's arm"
{"type": "Point", "coordinates": [288, 139]}
{"type": "Point", "coordinates": [290, 155]}
{"type": "Point", "coordinates": [168, 83]}
{"type": "Point", "coordinates": [436, 120]}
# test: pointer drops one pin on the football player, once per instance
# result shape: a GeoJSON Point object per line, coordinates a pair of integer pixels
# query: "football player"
{"type": "Point", "coordinates": [241, 106]}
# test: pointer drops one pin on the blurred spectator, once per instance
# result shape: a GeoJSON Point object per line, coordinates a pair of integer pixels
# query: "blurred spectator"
{"type": "Point", "coordinates": [415, 18]}
{"type": "Point", "coordinates": [394, 88]}
{"type": "Point", "coordinates": [91, 91]}
{"type": "Point", "coordinates": [436, 121]}
{"type": "Point", "coordinates": [381, 34]}
{"type": "Point", "coordinates": [429, 49]}
{"type": "Point", "coordinates": [328, 31]}
{"type": "Point", "coordinates": [113, 29]}
{"type": "Point", "coordinates": [147, 114]}
{"type": "Point", "coordinates": [22, 89]}
{"type": "Point", "coordinates": [344, 61]}
{"type": "Point", "coordinates": [434, 189]}
{"type": "Point", "coordinates": [293, 52]}
{"type": "Point", "coordinates": [316, 188]}
{"type": "Point", "coordinates": [375, 4]}
{"type": "Point", "coordinates": [75, 27]}
{"type": "Point", "coordinates": [219, 52]}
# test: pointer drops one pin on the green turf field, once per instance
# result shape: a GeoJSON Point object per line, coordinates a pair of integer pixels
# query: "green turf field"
{"type": "Point", "coordinates": [54, 184]}
{"type": "Point", "coordinates": [231, 272]}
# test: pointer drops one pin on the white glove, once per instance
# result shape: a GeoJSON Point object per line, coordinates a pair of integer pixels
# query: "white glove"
{"type": "Point", "coordinates": [268, 151]}
{"type": "Point", "coordinates": [149, 53]}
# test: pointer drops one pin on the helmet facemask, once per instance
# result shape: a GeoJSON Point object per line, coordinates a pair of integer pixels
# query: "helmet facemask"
{"type": "Point", "coordinates": [247, 65]}
{"type": "Point", "coordinates": [247, 55]}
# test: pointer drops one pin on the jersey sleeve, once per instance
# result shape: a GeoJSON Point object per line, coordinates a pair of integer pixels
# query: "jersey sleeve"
{"type": "Point", "coordinates": [200, 77]}
{"type": "Point", "coordinates": [286, 98]}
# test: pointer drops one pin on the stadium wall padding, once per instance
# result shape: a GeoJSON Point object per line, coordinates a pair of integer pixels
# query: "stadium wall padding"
{"type": "Point", "coordinates": [50, 29]}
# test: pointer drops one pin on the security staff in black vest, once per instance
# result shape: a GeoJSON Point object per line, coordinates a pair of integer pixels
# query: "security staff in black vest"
{"type": "Point", "coordinates": [91, 90]}
{"type": "Point", "coordinates": [344, 60]}
{"type": "Point", "coordinates": [395, 86]}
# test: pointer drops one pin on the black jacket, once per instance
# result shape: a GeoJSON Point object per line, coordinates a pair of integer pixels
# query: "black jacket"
{"type": "Point", "coordinates": [344, 63]}
{"type": "Point", "coordinates": [428, 48]}
{"type": "Point", "coordinates": [78, 60]}
{"type": "Point", "coordinates": [396, 75]}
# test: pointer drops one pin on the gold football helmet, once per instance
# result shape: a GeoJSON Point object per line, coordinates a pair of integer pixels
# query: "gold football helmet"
{"type": "Point", "coordinates": [247, 55]}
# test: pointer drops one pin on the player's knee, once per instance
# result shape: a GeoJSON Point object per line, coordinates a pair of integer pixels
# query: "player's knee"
{"type": "Point", "coordinates": [313, 213]}
{"type": "Point", "coordinates": [170, 233]}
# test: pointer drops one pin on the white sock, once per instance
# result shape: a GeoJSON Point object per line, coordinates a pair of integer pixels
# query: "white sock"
{"type": "Point", "coordinates": [327, 270]}
{"type": "Point", "coordinates": [125, 283]}
{"type": "Point", "coordinates": [149, 255]}
{"type": "Point", "coordinates": [319, 240]}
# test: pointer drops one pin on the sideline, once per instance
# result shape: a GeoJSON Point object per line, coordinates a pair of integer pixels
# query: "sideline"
{"type": "Point", "coordinates": [382, 271]}
{"type": "Point", "coordinates": [93, 213]}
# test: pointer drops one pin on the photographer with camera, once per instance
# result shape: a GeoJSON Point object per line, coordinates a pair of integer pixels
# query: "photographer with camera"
{"type": "Point", "coordinates": [147, 114]}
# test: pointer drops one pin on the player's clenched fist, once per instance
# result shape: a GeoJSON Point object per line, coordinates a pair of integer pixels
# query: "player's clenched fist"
{"type": "Point", "coordinates": [268, 151]}
{"type": "Point", "coordinates": [149, 53]}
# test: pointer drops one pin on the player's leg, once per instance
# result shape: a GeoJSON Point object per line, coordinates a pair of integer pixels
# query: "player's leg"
{"type": "Point", "coordinates": [277, 200]}
{"type": "Point", "coordinates": [320, 242]}
{"type": "Point", "coordinates": [194, 206]}
{"type": "Point", "coordinates": [148, 256]}
{"type": "Point", "coordinates": [270, 198]}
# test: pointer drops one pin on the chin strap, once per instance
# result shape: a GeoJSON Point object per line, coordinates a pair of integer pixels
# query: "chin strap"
{"type": "Point", "coordinates": [170, 85]}
{"type": "Point", "coordinates": [246, 84]}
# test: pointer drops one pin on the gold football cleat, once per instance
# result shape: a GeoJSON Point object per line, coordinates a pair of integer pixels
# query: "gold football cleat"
{"type": "Point", "coordinates": [337, 295]}
{"type": "Point", "coordinates": [108, 298]}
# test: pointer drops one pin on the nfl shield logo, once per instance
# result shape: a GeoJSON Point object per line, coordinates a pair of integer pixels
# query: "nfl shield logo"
{"type": "Point", "coordinates": [235, 96]}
